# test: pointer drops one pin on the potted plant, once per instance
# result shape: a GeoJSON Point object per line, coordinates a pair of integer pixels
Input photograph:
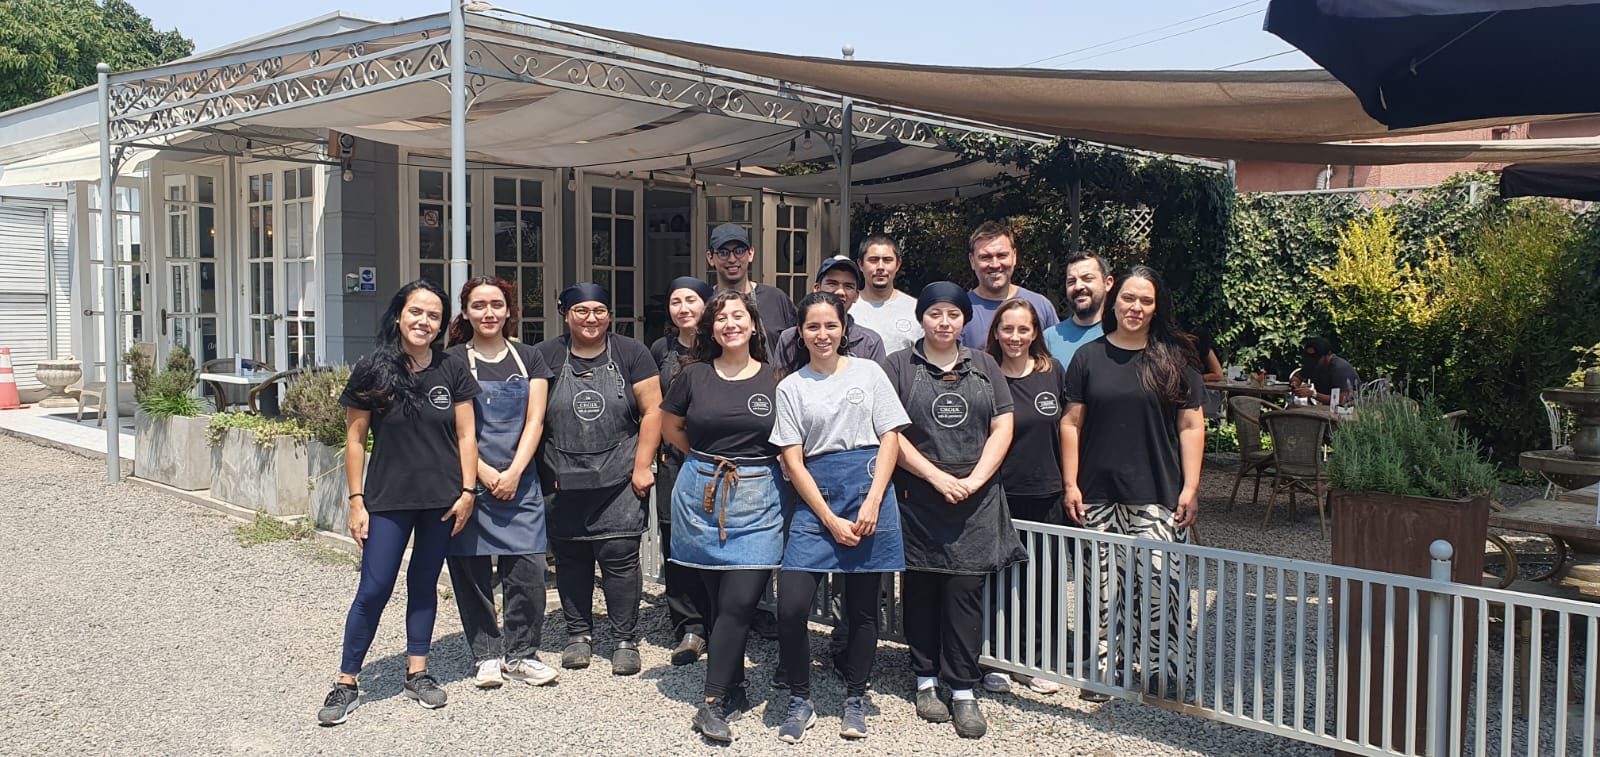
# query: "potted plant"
{"type": "Point", "coordinates": [312, 400]}
{"type": "Point", "coordinates": [1403, 476]}
{"type": "Point", "coordinates": [261, 463]}
{"type": "Point", "coordinates": [169, 436]}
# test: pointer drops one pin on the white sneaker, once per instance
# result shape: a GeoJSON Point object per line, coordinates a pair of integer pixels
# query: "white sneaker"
{"type": "Point", "coordinates": [530, 671]}
{"type": "Point", "coordinates": [1036, 685]}
{"type": "Point", "coordinates": [996, 682]}
{"type": "Point", "coordinates": [489, 676]}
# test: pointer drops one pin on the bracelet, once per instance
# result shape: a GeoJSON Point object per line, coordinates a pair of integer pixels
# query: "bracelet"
{"type": "Point", "coordinates": [465, 490]}
{"type": "Point", "coordinates": [357, 494]}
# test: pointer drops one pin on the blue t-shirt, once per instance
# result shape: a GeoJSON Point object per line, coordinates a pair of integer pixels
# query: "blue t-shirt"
{"type": "Point", "coordinates": [976, 334]}
{"type": "Point", "coordinates": [1064, 338]}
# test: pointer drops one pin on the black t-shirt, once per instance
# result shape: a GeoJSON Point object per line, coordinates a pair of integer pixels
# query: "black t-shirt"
{"type": "Point", "coordinates": [1128, 448]}
{"type": "Point", "coordinates": [723, 417]}
{"type": "Point", "coordinates": [632, 358]}
{"type": "Point", "coordinates": [416, 462]}
{"type": "Point", "coordinates": [1033, 465]}
{"type": "Point", "coordinates": [668, 353]}
{"type": "Point", "coordinates": [777, 313]}
{"type": "Point", "coordinates": [505, 367]}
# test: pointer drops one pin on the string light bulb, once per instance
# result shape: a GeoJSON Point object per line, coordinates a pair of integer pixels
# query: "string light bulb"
{"type": "Point", "coordinates": [650, 181]}
{"type": "Point", "coordinates": [572, 179]}
{"type": "Point", "coordinates": [249, 151]}
{"type": "Point", "coordinates": [790, 157]}
{"type": "Point", "coordinates": [805, 144]}
{"type": "Point", "coordinates": [738, 168]}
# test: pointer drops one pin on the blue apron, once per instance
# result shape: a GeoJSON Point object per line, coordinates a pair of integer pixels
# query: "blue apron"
{"type": "Point", "coordinates": [497, 526]}
{"type": "Point", "coordinates": [728, 514]}
{"type": "Point", "coordinates": [844, 478]}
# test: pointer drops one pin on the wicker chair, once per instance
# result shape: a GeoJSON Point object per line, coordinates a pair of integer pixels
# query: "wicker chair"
{"type": "Point", "coordinates": [1297, 440]}
{"type": "Point", "coordinates": [1254, 461]}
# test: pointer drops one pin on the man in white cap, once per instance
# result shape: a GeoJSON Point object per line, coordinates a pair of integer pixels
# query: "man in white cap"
{"type": "Point", "coordinates": [730, 255]}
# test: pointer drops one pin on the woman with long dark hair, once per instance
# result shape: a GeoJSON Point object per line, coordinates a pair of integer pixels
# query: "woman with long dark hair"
{"type": "Point", "coordinates": [1132, 450]}
{"type": "Point", "coordinates": [727, 506]}
{"type": "Point", "coordinates": [504, 542]}
{"type": "Point", "coordinates": [418, 403]}
{"type": "Point", "coordinates": [838, 428]}
{"type": "Point", "coordinates": [602, 425]}
{"type": "Point", "coordinates": [687, 603]}
{"type": "Point", "coordinates": [957, 531]}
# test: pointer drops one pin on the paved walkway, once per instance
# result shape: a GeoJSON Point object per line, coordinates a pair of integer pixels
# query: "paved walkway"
{"type": "Point", "coordinates": [133, 622]}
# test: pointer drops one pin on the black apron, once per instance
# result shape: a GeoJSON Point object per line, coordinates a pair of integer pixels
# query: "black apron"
{"type": "Point", "coordinates": [669, 461]}
{"type": "Point", "coordinates": [591, 432]}
{"type": "Point", "coordinates": [974, 536]}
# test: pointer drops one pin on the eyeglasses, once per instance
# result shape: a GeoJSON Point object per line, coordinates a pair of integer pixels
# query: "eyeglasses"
{"type": "Point", "coordinates": [727, 252]}
{"type": "Point", "coordinates": [584, 313]}
{"type": "Point", "coordinates": [838, 286]}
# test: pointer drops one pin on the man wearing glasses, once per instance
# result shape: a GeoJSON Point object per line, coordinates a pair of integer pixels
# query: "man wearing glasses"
{"type": "Point", "coordinates": [730, 255]}
{"type": "Point", "coordinates": [842, 278]}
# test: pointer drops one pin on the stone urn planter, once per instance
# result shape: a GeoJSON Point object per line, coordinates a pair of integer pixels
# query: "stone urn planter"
{"type": "Point", "coordinates": [270, 478]}
{"type": "Point", "coordinates": [57, 375]}
{"type": "Point", "coordinates": [1391, 533]}
{"type": "Point", "coordinates": [172, 451]}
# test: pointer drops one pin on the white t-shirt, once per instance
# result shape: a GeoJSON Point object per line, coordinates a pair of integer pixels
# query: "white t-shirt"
{"type": "Point", "coordinates": [895, 321]}
{"type": "Point", "coordinates": [848, 410]}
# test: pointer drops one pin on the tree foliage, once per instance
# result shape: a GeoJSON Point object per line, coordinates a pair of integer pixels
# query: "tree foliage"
{"type": "Point", "coordinates": [51, 47]}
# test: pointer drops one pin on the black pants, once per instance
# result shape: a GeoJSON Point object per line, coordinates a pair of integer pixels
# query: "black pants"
{"type": "Point", "coordinates": [521, 582]}
{"type": "Point", "coordinates": [943, 621]}
{"type": "Point", "coordinates": [796, 592]}
{"type": "Point", "coordinates": [734, 595]}
{"type": "Point", "coordinates": [687, 602]}
{"type": "Point", "coordinates": [620, 580]}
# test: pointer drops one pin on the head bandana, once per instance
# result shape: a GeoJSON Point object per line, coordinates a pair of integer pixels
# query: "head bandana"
{"type": "Point", "coordinates": [944, 291]}
{"type": "Point", "coordinates": [583, 291]}
{"type": "Point", "coordinates": [699, 286]}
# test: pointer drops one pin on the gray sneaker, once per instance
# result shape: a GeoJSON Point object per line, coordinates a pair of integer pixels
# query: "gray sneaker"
{"type": "Point", "coordinates": [425, 689]}
{"type": "Point", "coordinates": [711, 720]}
{"type": "Point", "coordinates": [853, 723]}
{"type": "Point", "coordinates": [342, 701]}
{"type": "Point", "coordinates": [801, 717]}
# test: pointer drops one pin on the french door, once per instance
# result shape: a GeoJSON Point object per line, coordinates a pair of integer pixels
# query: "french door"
{"type": "Point", "coordinates": [190, 261]}
{"type": "Point", "coordinates": [615, 236]}
{"type": "Point", "coordinates": [282, 205]}
{"type": "Point", "coordinates": [130, 240]}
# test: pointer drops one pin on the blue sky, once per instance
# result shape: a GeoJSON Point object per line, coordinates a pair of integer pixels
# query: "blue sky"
{"type": "Point", "coordinates": [946, 32]}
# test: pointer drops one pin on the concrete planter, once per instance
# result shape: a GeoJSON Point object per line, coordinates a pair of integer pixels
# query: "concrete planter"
{"type": "Point", "coordinates": [172, 451]}
{"type": "Point", "coordinates": [330, 504]}
{"type": "Point", "coordinates": [270, 479]}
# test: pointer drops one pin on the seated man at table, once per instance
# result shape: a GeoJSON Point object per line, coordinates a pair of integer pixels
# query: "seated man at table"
{"type": "Point", "coordinates": [1324, 371]}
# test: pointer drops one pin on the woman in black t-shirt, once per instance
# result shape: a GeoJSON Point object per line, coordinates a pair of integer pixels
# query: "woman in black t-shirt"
{"type": "Point", "coordinates": [727, 507]}
{"type": "Point", "coordinates": [1132, 451]}
{"type": "Point", "coordinates": [418, 402]}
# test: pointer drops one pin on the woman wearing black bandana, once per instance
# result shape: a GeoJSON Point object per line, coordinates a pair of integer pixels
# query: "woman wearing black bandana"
{"type": "Point", "coordinates": [602, 427]}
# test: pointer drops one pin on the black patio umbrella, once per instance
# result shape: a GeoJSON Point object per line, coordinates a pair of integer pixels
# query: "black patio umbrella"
{"type": "Point", "coordinates": [1574, 181]}
{"type": "Point", "coordinates": [1425, 62]}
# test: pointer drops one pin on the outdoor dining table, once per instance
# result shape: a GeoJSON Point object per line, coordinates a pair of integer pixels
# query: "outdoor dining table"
{"type": "Point", "coordinates": [1324, 412]}
{"type": "Point", "coordinates": [1269, 391]}
{"type": "Point", "coordinates": [221, 380]}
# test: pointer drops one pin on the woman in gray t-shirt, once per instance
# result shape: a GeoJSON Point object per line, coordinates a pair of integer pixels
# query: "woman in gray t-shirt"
{"type": "Point", "coordinates": [837, 426]}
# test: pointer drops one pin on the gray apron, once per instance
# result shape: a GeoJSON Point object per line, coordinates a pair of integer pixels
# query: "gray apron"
{"type": "Point", "coordinates": [974, 536]}
{"type": "Point", "coordinates": [591, 431]}
{"type": "Point", "coordinates": [497, 526]}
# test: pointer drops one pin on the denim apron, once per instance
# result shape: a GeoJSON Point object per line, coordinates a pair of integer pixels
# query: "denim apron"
{"type": "Point", "coordinates": [591, 431]}
{"type": "Point", "coordinates": [974, 536]}
{"type": "Point", "coordinates": [844, 478]}
{"type": "Point", "coordinates": [727, 514]}
{"type": "Point", "coordinates": [497, 526]}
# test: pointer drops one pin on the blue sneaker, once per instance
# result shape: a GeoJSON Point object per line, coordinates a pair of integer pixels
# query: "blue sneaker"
{"type": "Point", "coordinates": [801, 716]}
{"type": "Point", "coordinates": [853, 724]}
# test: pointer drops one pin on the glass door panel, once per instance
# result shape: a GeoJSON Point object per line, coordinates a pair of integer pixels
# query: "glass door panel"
{"type": "Point", "coordinates": [519, 256]}
{"type": "Point", "coordinates": [615, 236]}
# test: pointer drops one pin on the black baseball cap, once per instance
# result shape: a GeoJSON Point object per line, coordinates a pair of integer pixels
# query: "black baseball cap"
{"type": "Point", "coordinates": [845, 263]}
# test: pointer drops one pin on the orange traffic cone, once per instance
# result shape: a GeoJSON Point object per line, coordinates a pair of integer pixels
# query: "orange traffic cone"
{"type": "Point", "coordinates": [9, 399]}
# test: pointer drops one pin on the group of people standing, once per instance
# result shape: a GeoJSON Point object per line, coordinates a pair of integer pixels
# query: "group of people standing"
{"type": "Point", "coordinates": [854, 435]}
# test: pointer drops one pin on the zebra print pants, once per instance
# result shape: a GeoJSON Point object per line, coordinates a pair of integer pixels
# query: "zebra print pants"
{"type": "Point", "coordinates": [1128, 599]}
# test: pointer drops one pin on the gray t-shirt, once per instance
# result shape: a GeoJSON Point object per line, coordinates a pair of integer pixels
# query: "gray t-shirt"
{"type": "Point", "coordinates": [848, 410]}
{"type": "Point", "coordinates": [895, 321]}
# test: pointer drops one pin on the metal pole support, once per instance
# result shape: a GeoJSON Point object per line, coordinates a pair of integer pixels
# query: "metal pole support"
{"type": "Point", "coordinates": [110, 402]}
{"type": "Point", "coordinates": [459, 255]}
{"type": "Point", "coordinates": [1439, 651]}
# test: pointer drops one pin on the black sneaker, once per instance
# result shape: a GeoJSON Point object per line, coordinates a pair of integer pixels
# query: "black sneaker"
{"type": "Point", "coordinates": [780, 678]}
{"type": "Point", "coordinates": [1093, 696]}
{"type": "Point", "coordinates": [422, 687]}
{"type": "Point", "coordinates": [711, 720]}
{"type": "Point", "coordinates": [576, 655]}
{"type": "Point", "coordinates": [342, 701]}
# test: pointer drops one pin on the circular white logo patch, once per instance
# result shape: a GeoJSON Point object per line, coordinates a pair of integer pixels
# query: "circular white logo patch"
{"type": "Point", "coordinates": [439, 397]}
{"type": "Point", "coordinates": [856, 395]}
{"type": "Point", "coordinates": [760, 405]}
{"type": "Point", "coordinates": [950, 409]}
{"type": "Point", "coordinates": [588, 405]}
{"type": "Point", "coordinates": [902, 325]}
{"type": "Point", "coordinates": [1047, 404]}
{"type": "Point", "coordinates": [872, 468]}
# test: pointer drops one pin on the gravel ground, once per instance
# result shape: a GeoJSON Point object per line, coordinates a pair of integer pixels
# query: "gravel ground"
{"type": "Point", "coordinates": [135, 623]}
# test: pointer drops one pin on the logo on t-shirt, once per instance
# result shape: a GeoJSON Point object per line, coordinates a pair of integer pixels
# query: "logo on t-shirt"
{"type": "Point", "coordinates": [950, 409]}
{"type": "Point", "coordinates": [1047, 404]}
{"type": "Point", "coordinates": [439, 397]}
{"type": "Point", "coordinates": [760, 405]}
{"type": "Point", "coordinates": [902, 325]}
{"type": "Point", "coordinates": [856, 395]}
{"type": "Point", "coordinates": [588, 405]}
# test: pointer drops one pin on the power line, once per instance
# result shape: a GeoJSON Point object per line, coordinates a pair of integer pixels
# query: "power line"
{"type": "Point", "coordinates": [1253, 60]}
{"type": "Point", "coordinates": [1141, 34]}
{"type": "Point", "coordinates": [1163, 38]}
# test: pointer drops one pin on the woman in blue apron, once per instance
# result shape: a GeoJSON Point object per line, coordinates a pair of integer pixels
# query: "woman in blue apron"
{"type": "Point", "coordinates": [838, 423]}
{"type": "Point", "coordinates": [727, 505]}
{"type": "Point", "coordinates": [953, 511]}
{"type": "Point", "coordinates": [506, 533]}
{"type": "Point", "coordinates": [687, 603]}
{"type": "Point", "coordinates": [601, 429]}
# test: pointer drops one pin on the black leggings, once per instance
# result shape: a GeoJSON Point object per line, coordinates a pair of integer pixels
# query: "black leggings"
{"type": "Point", "coordinates": [734, 595]}
{"type": "Point", "coordinates": [620, 581]}
{"type": "Point", "coordinates": [796, 592]}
